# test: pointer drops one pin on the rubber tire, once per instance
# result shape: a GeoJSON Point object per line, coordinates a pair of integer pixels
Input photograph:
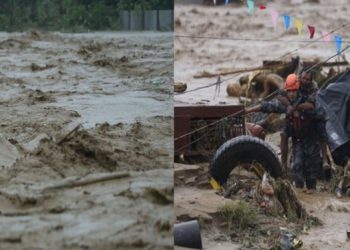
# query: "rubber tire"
{"type": "Point", "coordinates": [243, 149]}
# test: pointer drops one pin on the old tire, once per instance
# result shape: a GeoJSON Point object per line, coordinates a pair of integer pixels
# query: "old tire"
{"type": "Point", "coordinates": [243, 149]}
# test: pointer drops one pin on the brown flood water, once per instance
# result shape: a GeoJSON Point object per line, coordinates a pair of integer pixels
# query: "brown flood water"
{"type": "Point", "coordinates": [118, 85]}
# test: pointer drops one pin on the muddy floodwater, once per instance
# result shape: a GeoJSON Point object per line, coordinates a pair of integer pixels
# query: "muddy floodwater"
{"type": "Point", "coordinates": [86, 140]}
{"type": "Point", "coordinates": [125, 107]}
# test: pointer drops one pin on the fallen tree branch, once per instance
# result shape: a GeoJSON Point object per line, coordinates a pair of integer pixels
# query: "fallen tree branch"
{"type": "Point", "coordinates": [267, 65]}
{"type": "Point", "coordinates": [205, 74]}
{"type": "Point", "coordinates": [11, 239]}
{"type": "Point", "coordinates": [69, 133]}
{"type": "Point", "coordinates": [308, 64]}
{"type": "Point", "coordinates": [88, 180]}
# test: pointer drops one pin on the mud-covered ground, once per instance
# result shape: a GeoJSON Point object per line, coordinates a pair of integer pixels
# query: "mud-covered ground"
{"type": "Point", "coordinates": [195, 199]}
{"type": "Point", "coordinates": [79, 109]}
{"type": "Point", "coordinates": [193, 55]}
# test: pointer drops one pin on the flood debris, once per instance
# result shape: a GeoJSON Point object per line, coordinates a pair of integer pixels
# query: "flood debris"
{"type": "Point", "coordinates": [78, 182]}
{"type": "Point", "coordinates": [75, 129]}
{"type": "Point", "coordinates": [341, 180]}
{"type": "Point", "coordinates": [288, 241]}
{"type": "Point", "coordinates": [180, 87]}
{"type": "Point", "coordinates": [250, 210]}
{"type": "Point", "coordinates": [35, 67]}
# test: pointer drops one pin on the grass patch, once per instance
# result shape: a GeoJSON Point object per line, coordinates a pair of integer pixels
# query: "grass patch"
{"type": "Point", "coordinates": [238, 216]}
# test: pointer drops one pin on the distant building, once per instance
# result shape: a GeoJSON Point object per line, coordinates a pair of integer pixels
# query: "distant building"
{"type": "Point", "coordinates": [204, 2]}
{"type": "Point", "coordinates": [189, 1]}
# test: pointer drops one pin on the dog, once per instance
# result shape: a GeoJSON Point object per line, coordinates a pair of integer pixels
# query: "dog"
{"type": "Point", "coordinates": [260, 86]}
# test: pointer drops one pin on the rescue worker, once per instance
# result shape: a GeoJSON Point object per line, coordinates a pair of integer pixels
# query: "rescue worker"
{"type": "Point", "coordinates": [308, 89]}
{"type": "Point", "coordinates": [300, 126]}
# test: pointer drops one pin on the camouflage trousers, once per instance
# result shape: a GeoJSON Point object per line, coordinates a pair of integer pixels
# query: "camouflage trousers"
{"type": "Point", "coordinates": [306, 163]}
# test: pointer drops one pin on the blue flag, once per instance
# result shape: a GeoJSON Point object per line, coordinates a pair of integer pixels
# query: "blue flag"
{"type": "Point", "coordinates": [338, 43]}
{"type": "Point", "coordinates": [286, 21]}
{"type": "Point", "coordinates": [250, 4]}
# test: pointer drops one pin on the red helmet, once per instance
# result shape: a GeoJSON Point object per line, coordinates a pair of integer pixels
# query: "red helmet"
{"type": "Point", "coordinates": [292, 82]}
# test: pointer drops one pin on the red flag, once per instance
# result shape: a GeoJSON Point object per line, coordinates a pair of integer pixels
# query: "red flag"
{"type": "Point", "coordinates": [262, 7]}
{"type": "Point", "coordinates": [311, 30]}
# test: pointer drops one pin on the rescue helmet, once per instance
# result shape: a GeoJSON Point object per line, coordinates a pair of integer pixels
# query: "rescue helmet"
{"type": "Point", "coordinates": [292, 82]}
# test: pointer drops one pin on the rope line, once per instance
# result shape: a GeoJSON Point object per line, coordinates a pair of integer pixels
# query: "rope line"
{"type": "Point", "coordinates": [252, 39]}
{"type": "Point", "coordinates": [267, 40]}
{"type": "Point", "coordinates": [218, 82]}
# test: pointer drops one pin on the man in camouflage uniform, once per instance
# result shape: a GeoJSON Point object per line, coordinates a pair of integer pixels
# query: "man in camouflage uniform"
{"type": "Point", "coordinates": [300, 126]}
{"type": "Point", "coordinates": [309, 90]}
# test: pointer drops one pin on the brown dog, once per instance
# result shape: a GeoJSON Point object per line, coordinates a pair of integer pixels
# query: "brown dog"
{"type": "Point", "coordinates": [261, 85]}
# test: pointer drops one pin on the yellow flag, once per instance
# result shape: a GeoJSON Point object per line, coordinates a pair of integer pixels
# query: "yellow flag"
{"type": "Point", "coordinates": [214, 184]}
{"type": "Point", "coordinates": [299, 25]}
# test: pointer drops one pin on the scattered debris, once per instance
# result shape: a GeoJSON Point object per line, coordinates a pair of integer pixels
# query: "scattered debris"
{"type": "Point", "coordinates": [78, 182]}
{"type": "Point", "coordinates": [180, 87]}
{"type": "Point", "coordinates": [75, 129]}
{"type": "Point", "coordinates": [266, 187]}
{"type": "Point", "coordinates": [35, 67]}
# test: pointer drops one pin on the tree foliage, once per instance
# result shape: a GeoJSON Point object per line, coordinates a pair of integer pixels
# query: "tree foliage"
{"type": "Point", "coordinates": [70, 15]}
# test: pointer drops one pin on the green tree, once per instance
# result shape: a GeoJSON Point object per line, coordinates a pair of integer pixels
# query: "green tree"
{"type": "Point", "coordinates": [47, 14]}
{"type": "Point", "coordinates": [70, 15]}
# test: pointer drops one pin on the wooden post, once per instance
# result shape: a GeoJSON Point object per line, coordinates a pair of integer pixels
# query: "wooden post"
{"type": "Point", "coordinates": [158, 24]}
{"type": "Point", "coordinates": [129, 20]}
{"type": "Point", "coordinates": [172, 20]}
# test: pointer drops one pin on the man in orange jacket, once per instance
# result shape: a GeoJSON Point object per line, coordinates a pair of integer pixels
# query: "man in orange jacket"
{"type": "Point", "coordinates": [300, 126]}
{"type": "Point", "coordinates": [308, 91]}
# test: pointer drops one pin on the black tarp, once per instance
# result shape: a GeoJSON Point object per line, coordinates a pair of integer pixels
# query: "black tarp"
{"type": "Point", "coordinates": [335, 99]}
